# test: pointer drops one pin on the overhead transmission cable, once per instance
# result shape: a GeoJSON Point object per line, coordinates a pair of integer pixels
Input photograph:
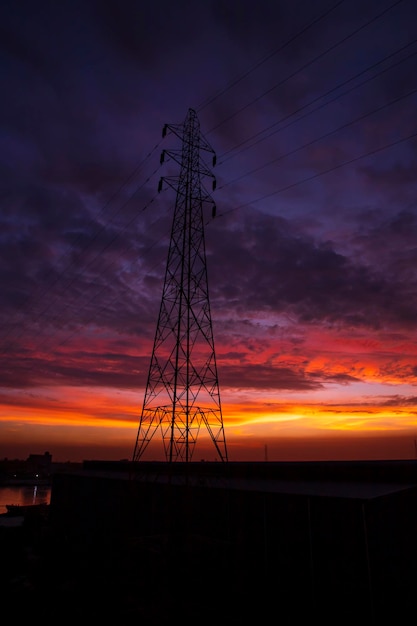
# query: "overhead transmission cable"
{"type": "Point", "coordinates": [324, 136]}
{"type": "Point", "coordinates": [318, 174]}
{"type": "Point", "coordinates": [266, 196]}
{"type": "Point", "coordinates": [320, 97]}
{"type": "Point", "coordinates": [266, 58]}
{"type": "Point", "coordinates": [306, 65]}
{"type": "Point", "coordinates": [292, 152]}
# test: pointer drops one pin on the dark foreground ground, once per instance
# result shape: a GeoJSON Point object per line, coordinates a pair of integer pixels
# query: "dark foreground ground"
{"type": "Point", "coordinates": [301, 545]}
{"type": "Point", "coordinates": [148, 580]}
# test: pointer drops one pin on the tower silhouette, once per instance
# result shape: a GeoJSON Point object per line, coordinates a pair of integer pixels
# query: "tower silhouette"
{"type": "Point", "coordinates": [182, 391]}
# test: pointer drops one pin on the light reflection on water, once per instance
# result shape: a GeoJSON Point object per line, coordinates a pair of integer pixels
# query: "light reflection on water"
{"type": "Point", "coordinates": [24, 494]}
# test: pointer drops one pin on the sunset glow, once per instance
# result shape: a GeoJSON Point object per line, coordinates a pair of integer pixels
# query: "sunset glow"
{"type": "Point", "coordinates": [311, 258]}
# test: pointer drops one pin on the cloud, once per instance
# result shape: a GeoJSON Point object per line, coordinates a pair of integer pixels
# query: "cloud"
{"type": "Point", "coordinates": [311, 258]}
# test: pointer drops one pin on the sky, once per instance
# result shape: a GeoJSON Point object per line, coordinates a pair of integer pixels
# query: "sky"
{"type": "Point", "coordinates": [311, 258]}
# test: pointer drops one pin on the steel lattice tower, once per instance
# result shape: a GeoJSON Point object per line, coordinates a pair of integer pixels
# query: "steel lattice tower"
{"type": "Point", "coordinates": [182, 392]}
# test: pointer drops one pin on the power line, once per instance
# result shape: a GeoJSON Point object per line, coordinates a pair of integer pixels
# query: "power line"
{"type": "Point", "coordinates": [320, 97]}
{"type": "Point", "coordinates": [273, 193]}
{"type": "Point", "coordinates": [269, 56]}
{"type": "Point", "coordinates": [327, 171]}
{"type": "Point", "coordinates": [303, 67]}
{"type": "Point", "coordinates": [264, 197]}
{"type": "Point", "coordinates": [328, 134]}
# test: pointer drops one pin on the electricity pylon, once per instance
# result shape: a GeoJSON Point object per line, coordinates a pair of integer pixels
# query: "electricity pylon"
{"type": "Point", "coordinates": [182, 391]}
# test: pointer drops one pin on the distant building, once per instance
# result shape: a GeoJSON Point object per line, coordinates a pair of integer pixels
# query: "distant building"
{"type": "Point", "coordinates": [40, 464]}
{"type": "Point", "coordinates": [37, 467]}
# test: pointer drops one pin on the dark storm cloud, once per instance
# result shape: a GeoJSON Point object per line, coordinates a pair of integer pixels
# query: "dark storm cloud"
{"type": "Point", "coordinates": [388, 243]}
{"type": "Point", "coordinates": [146, 31]}
{"type": "Point", "coordinates": [267, 377]}
{"type": "Point", "coordinates": [278, 26]}
{"type": "Point", "coordinates": [397, 174]}
{"type": "Point", "coordinates": [280, 269]}
{"type": "Point", "coordinates": [94, 369]}
{"type": "Point", "coordinates": [396, 400]}
{"type": "Point", "coordinates": [63, 121]}
{"type": "Point", "coordinates": [88, 87]}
